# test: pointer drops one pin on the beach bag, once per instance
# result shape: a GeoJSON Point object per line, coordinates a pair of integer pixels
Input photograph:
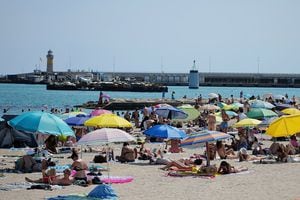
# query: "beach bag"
{"type": "Point", "coordinates": [99, 159]}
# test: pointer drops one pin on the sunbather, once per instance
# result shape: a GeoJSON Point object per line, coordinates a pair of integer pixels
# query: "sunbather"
{"type": "Point", "coordinates": [224, 153]}
{"type": "Point", "coordinates": [183, 164]}
{"type": "Point", "coordinates": [65, 180]}
{"type": "Point", "coordinates": [244, 156]}
{"type": "Point", "coordinates": [226, 168]}
{"type": "Point", "coordinates": [80, 167]}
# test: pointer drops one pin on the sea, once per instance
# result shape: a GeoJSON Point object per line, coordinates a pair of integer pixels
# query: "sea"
{"type": "Point", "coordinates": [17, 97]}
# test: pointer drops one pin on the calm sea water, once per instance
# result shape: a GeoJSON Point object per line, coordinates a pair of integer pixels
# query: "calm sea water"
{"type": "Point", "coordinates": [16, 97]}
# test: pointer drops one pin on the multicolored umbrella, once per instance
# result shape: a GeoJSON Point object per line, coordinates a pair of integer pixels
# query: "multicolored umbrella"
{"type": "Point", "coordinates": [165, 131]}
{"type": "Point", "coordinates": [98, 112]}
{"type": "Point", "coordinates": [248, 122]}
{"type": "Point", "coordinates": [260, 113]}
{"type": "Point", "coordinates": [205, 136]}
{"type": "Point", "coordinates": [191, 111]}
{"type": "Point", "coordinates": [108, 121]}
{"type": "Point", "coordinates": [105, 136]}
{"type": "Point", "coordinates": [229, 113]}
{"type": "Point", "coordinates": [41, 122]}
{"type": "Point", "coordinates": [171, 113]}
{"type": "Point", "coordinates": [284, 126]}
{"type": "Point", "coordinates": [72, 114]}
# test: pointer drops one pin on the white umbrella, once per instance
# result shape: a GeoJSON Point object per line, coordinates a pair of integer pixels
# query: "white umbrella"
{"type": "Point", "coordinates": [105, 136]}
{"type": "Point", "coordinates": [213, 95]}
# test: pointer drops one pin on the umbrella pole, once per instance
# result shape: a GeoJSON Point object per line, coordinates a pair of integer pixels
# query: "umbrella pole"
{"type": "Point", "coordinates": [81, 151]}
{"type": "Point", "coordinates": [107, 160]}
{"type": "Point", "coordinates": [207, 154]}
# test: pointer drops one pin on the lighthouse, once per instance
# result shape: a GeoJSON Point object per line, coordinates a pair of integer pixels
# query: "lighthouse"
{"type": "Point", "coordinates": [194, 77]}
{"type": "Point", "coordinates": [50, 62]}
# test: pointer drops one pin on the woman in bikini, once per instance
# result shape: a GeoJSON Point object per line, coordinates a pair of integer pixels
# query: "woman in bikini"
{"type": "Point", "coordinates": [80, 167]}
{"type": "Point", "coordinates": [223, 153]}
{"type": "Point", "coordinates": [226, 168]}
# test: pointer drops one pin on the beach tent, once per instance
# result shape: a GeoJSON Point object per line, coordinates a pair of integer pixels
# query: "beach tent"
{"type": "Point", "coordinates": [10, 137]}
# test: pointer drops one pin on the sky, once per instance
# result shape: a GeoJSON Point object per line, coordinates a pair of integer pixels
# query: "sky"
{"type": "Point", "coordinates": [244, 36]}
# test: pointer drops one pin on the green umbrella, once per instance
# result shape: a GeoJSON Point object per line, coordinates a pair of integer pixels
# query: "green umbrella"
{"type": "Point", "coordinates": [260, 113]}
{"type": "Point", "coordinates": [192, 112]}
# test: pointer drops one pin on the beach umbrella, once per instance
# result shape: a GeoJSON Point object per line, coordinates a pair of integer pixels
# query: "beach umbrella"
{"type": "Point", "coordinates": [209, 107]}
{"type": "Point", "coordinates": [72, 114]}
{"type": "Point", "coordinates": [205, 136]}
{"type": "Point", "coordinates": [236, 105]}
{"type": "Point", "coordinates": [279, 97]}
{"type": "Point", "coordinates": [41, 122]}
{"type": "Point", "coordinates": [105, 136]}
{"type": "Point", "coordinates": [229, 113]}
{"type": "Point", "coordinates": [165, 131]}
{"type": "Point", "coordinates": [267, 121]}
{"type": "Point", "coordinates": [191, 111]}
{"type": "Point", "coordinates": [261, 104]}
{"type": "Point", "coordinates": [291, 111]}
{"type": "Point", "coordinates": [98, 112]}
{"type": "Point", "coordinates": [281, 106]}
{"type": "Point", "coordinates": [284, 126]}
{"type": "Point", "coordinates": [77, 121]}
{"type": "Point", "coordinates": [1, 119]}
{"type": "Point", "coordinates": [248, 122]}
{"type": "Point", "coordinates": [260, 113]}
{"type": "Point", "coordinates": [213, 95]}
{"type": "Point", "coordinates": [224, 106]}
{"type": "Point", "coordinates": [162, 105]}
{"type": "Point", "coordinates": [108, 121]}
{"type": "Point", "coordinates": [171, 113]}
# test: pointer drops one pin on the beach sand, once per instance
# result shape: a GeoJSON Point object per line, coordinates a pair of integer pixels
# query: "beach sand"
{"type": "Point", "coordinates": [262, 181]}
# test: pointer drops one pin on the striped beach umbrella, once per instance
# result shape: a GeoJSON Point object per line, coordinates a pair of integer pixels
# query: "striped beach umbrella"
{"type": "Point", "coordinates": [205, 137]}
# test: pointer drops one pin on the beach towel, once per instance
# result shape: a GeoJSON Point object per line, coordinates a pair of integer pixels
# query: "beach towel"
{"type": "Point", "coordinates": [105, 192]}
{"type": "Point", "coordinates": [26, 185]}
{"type": "Point", "coordinates": [189, 174]}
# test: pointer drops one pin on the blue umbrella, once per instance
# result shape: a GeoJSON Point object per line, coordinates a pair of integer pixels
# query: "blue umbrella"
{"type": "Point", "coordinates": [165, 131]}
{"type": "Point", "coordinates": [41, 122]}
{"type": "Point", "coordinates": [77, 121]}
{"type": "Point", "coordinates": [170, 113]}
{"type": "Point", "coordinates": [261, 104]}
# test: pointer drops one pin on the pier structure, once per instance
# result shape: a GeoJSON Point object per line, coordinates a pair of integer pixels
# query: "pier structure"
{"type": "Point", "coordinates": [212, 79]}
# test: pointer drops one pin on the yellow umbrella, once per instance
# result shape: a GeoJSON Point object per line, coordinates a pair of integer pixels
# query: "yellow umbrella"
{"type": "Point", "coordinates": [291, 111]}
{"type": "Point", "coordinates": [108, 121]}
{"type": "Point", "coordinates": [248, 122]}
{"type": "Point", "coordinates": [284, 126]}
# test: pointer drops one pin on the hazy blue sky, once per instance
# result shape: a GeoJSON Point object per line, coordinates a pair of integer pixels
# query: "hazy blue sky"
{"type": "Point", "coordinates": [150, 36]}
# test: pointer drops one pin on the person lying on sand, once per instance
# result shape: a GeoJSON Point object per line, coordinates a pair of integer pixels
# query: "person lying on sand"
{"type": "Point", "coordinates": [244, 156]}
{"type": "Point", "coordinates": [182, 164]}
{"type": "Point", "coordinates": [54, 180]}
{"type": "Point", "coordinates": [226, 168]}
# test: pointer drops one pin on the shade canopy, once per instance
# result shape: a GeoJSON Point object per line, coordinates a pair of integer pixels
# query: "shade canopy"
{"type": "Point", "coordinates": [290, 111]}
{"type": "Point", "coordinates": [98, 112]}
{"type": "Point", "coordinates": [261, 104]}
{"type": "Point", "coordinates": [76, 121]}
{"type": "Point", "coordinates": [248, 122]}
{"type": "Point", "coordinates": [260, 113]}
{"type": "Point", "coordinates": [171, 113]}
{"type": "Point", "coordinates": [284, 126]}
{"type": "Point", "coordinates": [192, 112]}
{"type": "Point", "coordinates": [105, 136]}
{"type": "Point", "coordinates": [41, 122]}
{"type": "Point", "coordinates": [165, 131]}
{"type": "Point", "coordinates": [108, 121]}
{"type": "Point", "coordinates": [205, 136]}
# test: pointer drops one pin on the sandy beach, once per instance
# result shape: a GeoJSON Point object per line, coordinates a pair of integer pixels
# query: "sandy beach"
{"type": "Point", "coordinates": [262, 181]}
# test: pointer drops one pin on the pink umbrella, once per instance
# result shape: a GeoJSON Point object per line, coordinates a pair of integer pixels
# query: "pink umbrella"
{"type": "Point", "coordinates": [98, 112]}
